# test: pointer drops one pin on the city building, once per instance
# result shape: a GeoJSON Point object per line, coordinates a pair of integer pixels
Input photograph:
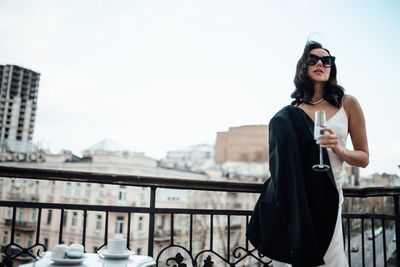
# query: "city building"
{"type": "Point", "coordinates": [195, 158]}
{"type": "Point", "coordinates": [244, 151]}
{"type": "Point", "coordinates": [111, 152]}
{"type": "Point", "coordinates": [377, 179]}
{"type": "Point", "coordinates": [352, 175]}
{"type": "Point", "coordinates": [18, 103]}
{"type": "Point", "coordinates": [245, 143]}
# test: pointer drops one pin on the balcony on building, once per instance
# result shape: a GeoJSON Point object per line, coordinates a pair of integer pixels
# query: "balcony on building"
{"type": "Point", "coordinates": [21, 225]}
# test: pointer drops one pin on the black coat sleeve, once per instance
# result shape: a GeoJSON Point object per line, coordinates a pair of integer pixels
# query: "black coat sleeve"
{"type": "Point", "coordinates": [287, 174]}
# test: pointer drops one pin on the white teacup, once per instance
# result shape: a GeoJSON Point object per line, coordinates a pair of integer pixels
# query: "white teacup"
{"type": "Point", "coordinates": [116, 244]}
{"type": "Point", "coordinates": [59, 251]}
{"type": "Point", "coordinates": [76, 247]}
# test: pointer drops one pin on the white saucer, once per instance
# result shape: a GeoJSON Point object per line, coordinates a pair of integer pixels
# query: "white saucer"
{"type": "Point", "coordinates": [66, 261]}
{"type": "Point", "coordinates": [123, 255]}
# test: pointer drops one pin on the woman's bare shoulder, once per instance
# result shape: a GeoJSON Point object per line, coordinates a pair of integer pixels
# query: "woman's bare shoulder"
{"type": "Point", "coordinates": [351, 105]}
{"type": "Point", "coordinates": [350, 101]}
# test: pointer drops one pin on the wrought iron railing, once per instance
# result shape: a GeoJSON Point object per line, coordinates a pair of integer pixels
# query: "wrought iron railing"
{"type": "Point", "coordinates": [236, 256]}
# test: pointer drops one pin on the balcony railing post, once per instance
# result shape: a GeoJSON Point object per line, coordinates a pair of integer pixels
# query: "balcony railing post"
{"type": "Point", "coordinates": [362, 241]}
{"type": "Point", "coordinates": [128, 231]}
{"type": "Point", "coordinates": [373, 242]}
{"type": "Point", "coordinates": [84, 228]}
{"type": "Point", "coordinates": [172, 229]}
{"type": "Point", "coordinates": [105, 231]}
{"type": "Point", "coordinates": [150, 248]}
{"type": "Point", "coordinates": [191, 235]}
{"type": "Point", "coordinates": [60, 234]}
{"type": "Point", "coordinates": [14, 215]}
{"type": "Point", "coordinates": [397, 225]}
{"type": "Point", "coordinates": [39, 219]}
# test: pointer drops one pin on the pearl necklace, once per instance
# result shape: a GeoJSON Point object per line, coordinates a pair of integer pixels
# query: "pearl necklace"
{"type": "Point", "coordinates": [315, 102]}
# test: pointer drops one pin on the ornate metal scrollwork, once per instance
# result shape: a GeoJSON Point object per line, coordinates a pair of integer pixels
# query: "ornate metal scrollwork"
{"type": "Point", "coordinates": [208, 259]}
{"type": "Point", "coordinates": [249, 253]}
{"type": "Point", "coordinates": [239, 254]}
{"type": "Point", "coordinates": [178, 259]}
{"type": "Point", "coordinates": [208, 262]}
{"type": "Point", "coordinates": [13, 251]}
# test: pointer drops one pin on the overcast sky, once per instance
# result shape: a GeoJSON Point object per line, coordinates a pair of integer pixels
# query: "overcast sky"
{"type": "Point", "coordinates": [162, 75]}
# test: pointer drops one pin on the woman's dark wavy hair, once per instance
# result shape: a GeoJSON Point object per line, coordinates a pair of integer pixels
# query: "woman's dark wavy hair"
{"type": "Point", "coordinates": [333, 93]}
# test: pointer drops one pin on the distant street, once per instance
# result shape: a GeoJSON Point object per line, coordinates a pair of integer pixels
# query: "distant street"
{"type": "Point", "coordinates": [356, 257]}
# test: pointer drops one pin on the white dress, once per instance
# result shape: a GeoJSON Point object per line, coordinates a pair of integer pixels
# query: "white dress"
{"type": "Point", "coordinates": [335, 255]}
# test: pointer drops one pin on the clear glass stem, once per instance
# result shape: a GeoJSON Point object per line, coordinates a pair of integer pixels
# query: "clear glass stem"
{"type": "Point", "coordinates": [321, 163]}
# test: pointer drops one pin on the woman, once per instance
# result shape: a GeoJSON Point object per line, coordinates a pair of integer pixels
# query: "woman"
{"type": "Point", "coordinates": [297, 219]}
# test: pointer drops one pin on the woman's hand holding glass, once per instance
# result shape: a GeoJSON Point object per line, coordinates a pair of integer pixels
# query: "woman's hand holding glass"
{"type": "Point", "coordinates": [330, 140]}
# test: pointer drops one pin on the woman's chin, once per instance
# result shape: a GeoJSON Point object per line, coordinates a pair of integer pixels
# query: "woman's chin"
{"type": "Point", "coordinates": [319, 80]}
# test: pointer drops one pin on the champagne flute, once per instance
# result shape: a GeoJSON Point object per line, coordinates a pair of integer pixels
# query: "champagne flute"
{"type": "Point", "coordinates": [320, 123]}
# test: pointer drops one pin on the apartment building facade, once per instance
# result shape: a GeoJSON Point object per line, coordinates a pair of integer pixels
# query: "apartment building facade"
{"type": "Point", "coordinates": [18, 103]}
{"type": "Point", "coordinates": [245, 143]}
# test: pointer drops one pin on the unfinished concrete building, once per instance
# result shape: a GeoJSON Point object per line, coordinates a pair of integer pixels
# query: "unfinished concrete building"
{"type": "Point", "coordinates": [18, 102]}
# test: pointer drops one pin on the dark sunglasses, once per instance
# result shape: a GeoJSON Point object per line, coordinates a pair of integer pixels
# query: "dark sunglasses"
{"type": "Point", "coordinates": [327, 61]}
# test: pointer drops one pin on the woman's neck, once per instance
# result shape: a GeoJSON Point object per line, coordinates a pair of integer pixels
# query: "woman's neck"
{"type": "Point", "coordinates": [318, 92]}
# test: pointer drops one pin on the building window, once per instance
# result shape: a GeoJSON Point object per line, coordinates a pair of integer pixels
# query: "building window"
{"type": "Point", "coordinates": [119, 225]}
{"type": "Point", "coordinates": [1, 185]}
{"type": "Point", "coordinates": [74, 219]}
{"type": "Point", "coordinates": [46, 242]}
{"type": "Point", "coordinates": [17, 238]}
{"type": "Point", "coordinates": [77, 193]}
{"type": "Point", "coordinates": [121, 195]}
{"type": "Point", "coordinates": [12, 187]}
{"type": "Point", "coordinates": [139, 251]}
{"type": "Point", "coordinates": [32, 215]}
{"type": "Point", "coordinates": [36, 189]}
{"type": "Point", "coordinates": [140, 224]}
{"type": "Point", "coordinates": [7, 215]}
{"type": "Point", "coordinates": [5, 238]}
{"type": "Point", "coordinates": [98, 223]}
{"type": "Point", "coordinates": [52, 188]}
{"type": "Point", "coordinates": [49, 213]}
{"type": "Point", "coordinates": [87, 191]}
{"type": "Point", "coordinates": [65, 218]}
{"type": "Point", "coordinates": [20, 212]}
{"type": "Point", "coordinates": [29, 242]}
{"type": "Point", "coordinates": [162, 221]}
{"type": "Point", "coordinates": [23, 188]}
{"type": "Point", "coordinates": [143, 195]}
{"type": "Point", "coordinates": [101, 192]}
{"type": "Point", "coordinates": [67, 192]}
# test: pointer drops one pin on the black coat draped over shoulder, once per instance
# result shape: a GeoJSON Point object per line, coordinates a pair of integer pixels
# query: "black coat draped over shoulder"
{"type": "Point", "coordinates": [295, 216]}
